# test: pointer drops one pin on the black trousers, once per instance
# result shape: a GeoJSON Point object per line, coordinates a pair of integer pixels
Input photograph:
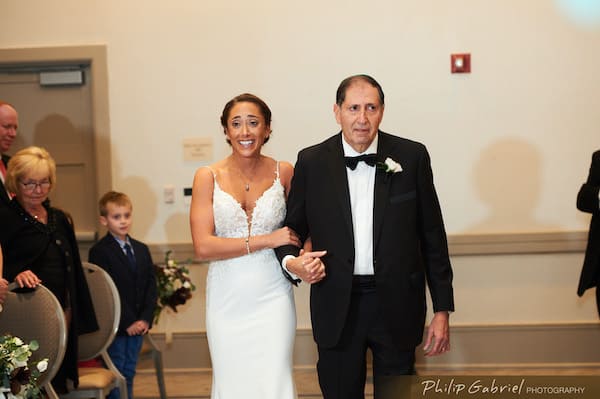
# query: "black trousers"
{"type": "Point", "coordinates": [342, 369]}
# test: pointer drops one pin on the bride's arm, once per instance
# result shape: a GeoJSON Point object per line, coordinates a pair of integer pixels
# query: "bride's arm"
{"type": "Point", "coordinates": [207, 246]}
{"type": "Point", "coordinates": [286, 172]}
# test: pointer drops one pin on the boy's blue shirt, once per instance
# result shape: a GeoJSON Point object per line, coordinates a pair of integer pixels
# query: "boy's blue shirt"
{"type": "Point", "coordinates": [122, 243]}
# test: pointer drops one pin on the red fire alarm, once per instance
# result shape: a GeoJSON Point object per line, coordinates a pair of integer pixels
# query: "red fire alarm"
{"type": "Point", "coordinates": [460, 63]}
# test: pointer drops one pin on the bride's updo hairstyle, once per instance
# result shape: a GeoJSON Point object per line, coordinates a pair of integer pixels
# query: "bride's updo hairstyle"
{"type": "Point", "coordinates": [246, 98]}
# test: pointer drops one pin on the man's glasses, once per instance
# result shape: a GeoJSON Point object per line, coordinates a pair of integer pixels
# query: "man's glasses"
{"type": "Point", "coordinates": [32, 185]}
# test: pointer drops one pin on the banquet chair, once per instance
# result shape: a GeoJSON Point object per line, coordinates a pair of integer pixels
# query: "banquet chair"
{"type": "Point", "coordinates": [150, 349]}
{"type": "Point", "coordinates": [97, 382]}
{"type": "Point", "coordinates": [37, 315]}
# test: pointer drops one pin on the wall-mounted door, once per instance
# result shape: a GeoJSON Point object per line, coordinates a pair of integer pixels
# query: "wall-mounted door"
{"type": "Point", "coordinates": [58, 118]}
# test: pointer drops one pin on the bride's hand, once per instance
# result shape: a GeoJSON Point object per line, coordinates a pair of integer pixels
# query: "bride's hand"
{"type": "Point", "coordinates": [284, 236]}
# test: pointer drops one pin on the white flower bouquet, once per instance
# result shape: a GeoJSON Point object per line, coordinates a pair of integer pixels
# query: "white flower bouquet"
{"type": "Point", "coordinates": [173, 284]}
{"type": "Point", "coordinates": [18, 374]}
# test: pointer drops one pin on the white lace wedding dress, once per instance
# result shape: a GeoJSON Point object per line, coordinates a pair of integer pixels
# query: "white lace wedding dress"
{"type": "Point", "coordinates": [250, 311]}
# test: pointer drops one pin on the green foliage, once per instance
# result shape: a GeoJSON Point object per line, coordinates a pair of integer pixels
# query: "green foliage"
{"type": "Point", "coordinates": [18, 374]}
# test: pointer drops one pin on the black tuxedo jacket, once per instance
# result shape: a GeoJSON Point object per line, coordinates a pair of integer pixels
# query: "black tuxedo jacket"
{"type": "Point", "coordinates": [136, 289]}
{"type": "Point", "coordinates": [4, 200]}
{"type": "Point", "coordinates": [587, 201]}
{"type": "Point", "coordinates": [409, 240]}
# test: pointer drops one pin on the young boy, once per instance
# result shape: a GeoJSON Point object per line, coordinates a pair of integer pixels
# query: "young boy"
{"type": "Point", "coordinates": [130, 265]}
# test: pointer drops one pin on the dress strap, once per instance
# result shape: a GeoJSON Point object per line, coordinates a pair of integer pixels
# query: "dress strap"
{"type": "Point", "coordinates": [277, 169]}
{"type": "Point", "coordinates": [213, 173]}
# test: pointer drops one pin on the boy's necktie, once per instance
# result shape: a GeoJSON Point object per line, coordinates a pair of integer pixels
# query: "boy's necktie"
{"type": "Point", "coordinates": [130, 256]}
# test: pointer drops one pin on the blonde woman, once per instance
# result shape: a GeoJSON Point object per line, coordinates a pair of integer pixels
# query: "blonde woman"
{"type": "Point", "coordinates": [40, 247]}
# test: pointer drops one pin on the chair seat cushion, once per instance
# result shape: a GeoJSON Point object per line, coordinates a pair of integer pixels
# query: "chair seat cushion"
{"type": "Point", "coordinates": [94, 377]}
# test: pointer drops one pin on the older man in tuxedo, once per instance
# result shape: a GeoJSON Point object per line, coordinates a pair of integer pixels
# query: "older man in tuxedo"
{"type": "Point", "coordinates": [367, 201]}
{"type": "Point", "coordinates": [588, 200]}
{"type": "Point", "coordinates": [9, 122]}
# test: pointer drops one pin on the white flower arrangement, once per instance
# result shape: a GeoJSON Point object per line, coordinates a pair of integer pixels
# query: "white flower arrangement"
{"type": "Point", "coordinates": [19, 375]}
{"type": "Point", "coordinates": [173, 284]}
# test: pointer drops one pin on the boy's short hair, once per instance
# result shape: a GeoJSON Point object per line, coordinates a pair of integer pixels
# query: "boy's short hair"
{"type": "Point", "coordinates": [114, 197]}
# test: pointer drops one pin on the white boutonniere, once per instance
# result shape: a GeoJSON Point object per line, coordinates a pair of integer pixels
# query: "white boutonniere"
{"type": "Point", "coordinates": [390, 166]}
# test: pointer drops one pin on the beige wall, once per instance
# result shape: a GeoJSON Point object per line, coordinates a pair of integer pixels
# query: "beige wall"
{"type": "Point", "coordinates": [489, 290]}
{"type": "Point", "coordinates": [510, 143]}
{"type": "Point", "coordinates": [530, 105]}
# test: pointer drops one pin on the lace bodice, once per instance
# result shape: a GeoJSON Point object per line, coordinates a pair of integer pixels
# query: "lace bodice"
{"type": "Point", "coordinates": [233, 222]}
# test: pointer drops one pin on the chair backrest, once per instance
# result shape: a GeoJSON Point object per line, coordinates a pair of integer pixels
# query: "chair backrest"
{"type": "Point", "coordinates": [107, 306]}
{"type": "Point", "coordinates": [37, 315]}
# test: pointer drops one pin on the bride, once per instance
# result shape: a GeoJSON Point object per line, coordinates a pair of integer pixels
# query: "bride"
{"type": "Point", "coordinates": [237, 212]}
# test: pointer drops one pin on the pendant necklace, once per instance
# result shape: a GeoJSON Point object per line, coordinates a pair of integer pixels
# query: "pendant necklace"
{"type": "Point", "coordinates": [39, 217]}
{"type": "Point", "coordinates": [246, 181]}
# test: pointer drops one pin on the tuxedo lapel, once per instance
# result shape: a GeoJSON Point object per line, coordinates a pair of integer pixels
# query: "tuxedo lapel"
{"type": "Point", "coordinates": [138, 253]}
{"type": "Point", "coordinates": [3, 194]}
{"type": "Point", "coordinates": [382, 186]}
{"type": "Point", "coordinates": [339, 180]}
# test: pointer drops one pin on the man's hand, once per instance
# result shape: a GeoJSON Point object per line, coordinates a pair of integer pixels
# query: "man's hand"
{"type": "Point", "coordinates": [438, 335]}
{"type": "Point", "coordinates": [308, 266]}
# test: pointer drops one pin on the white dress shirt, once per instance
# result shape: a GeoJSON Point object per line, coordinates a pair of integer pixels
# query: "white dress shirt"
{"type": "Point", "coordinates": [361, 184]}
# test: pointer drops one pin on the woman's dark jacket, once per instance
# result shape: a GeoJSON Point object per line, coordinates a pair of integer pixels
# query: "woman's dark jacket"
{"type": "Point", "coordinates": [30, 245]}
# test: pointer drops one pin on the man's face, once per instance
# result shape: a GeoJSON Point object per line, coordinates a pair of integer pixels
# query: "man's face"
{"type": "Point", "coordinates": [359, 115]}
{"type": "Point", "coordinates": [8, 126]}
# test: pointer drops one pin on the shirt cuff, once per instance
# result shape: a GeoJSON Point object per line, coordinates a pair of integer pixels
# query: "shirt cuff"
{"type": "Point", "coordinates": [284, 264]}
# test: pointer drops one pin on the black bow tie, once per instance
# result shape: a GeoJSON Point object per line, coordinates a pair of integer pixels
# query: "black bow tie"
{"type": "Point", "coordinates": [369, 159]}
